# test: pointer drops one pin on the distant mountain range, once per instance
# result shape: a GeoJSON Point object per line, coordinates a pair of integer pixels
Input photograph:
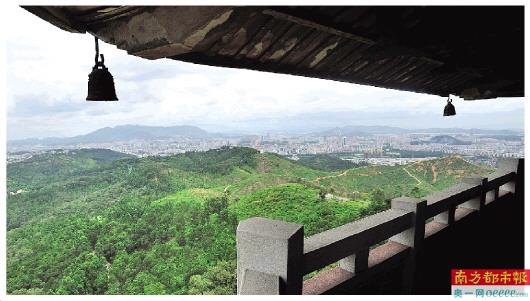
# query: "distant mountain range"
{"type": "Point", "coordinates": [359, 130]}
{"type": "Point", "coordinates": [443, 139]}
{"type": "Point", "coordinates": [122, 133]}
{"type": "Point", "coordinates": [133, 132]}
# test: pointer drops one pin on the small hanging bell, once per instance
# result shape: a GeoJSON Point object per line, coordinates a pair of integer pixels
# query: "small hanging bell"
{"type": "Point", "coordinates": [449, 109]}
{"type": "Point", "coordinates": [100, 81]}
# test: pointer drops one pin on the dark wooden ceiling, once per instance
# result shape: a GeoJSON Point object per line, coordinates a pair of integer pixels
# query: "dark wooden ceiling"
{"type": "Point", "coordinates": [474, 52]}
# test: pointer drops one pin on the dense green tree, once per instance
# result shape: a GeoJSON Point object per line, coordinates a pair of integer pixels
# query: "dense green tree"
{"type": "Point", "coordinates": [100, 222]}
{"type": "Point", "coordinates": [219, 280]}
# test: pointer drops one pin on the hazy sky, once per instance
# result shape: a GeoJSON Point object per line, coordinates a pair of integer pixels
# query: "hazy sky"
{"type": "Point", "coordinates": [47, 73]}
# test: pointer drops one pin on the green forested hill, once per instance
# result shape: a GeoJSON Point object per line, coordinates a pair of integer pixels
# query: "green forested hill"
{"type": "Point", "coordinates": [100, 222]}
{"type": "Point", "coordinates": [326, 162]}
{"type": "Point", "coordinates": [41, 170]}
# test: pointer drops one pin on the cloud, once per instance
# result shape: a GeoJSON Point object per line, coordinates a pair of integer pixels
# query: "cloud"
{"type": "Point", "coordinates": [28, 105]}
{"type": "Point", "coordinates": [47, 85]}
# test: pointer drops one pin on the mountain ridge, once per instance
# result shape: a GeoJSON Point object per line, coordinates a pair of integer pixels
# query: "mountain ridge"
{"type": "Point", "coordinates": [442, 139]}
{"type": "Point", "coordinates": [350, 130]}
{"type": "Point", "coordinates": [134, 132]}
{"type": "Point", "coordinates": [121, 133]}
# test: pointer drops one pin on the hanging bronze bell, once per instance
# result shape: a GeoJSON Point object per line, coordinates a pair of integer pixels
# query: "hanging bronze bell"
{"type": "Point", "coordinates": [101, 85]}
{"type": "Point", "coordinates": [449, 109]}
{"type": "Point", "coordinates": [100, 81]}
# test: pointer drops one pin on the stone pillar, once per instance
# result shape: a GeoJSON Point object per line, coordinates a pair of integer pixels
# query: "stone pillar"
{"type": "Point", "coordinates": [269, 257]}
{"type": "Point", "coordinates": [413, 237]}
{"type": "Point", "coordinates": [516, 187]}
{"type": "Point", "coordinates": [258, 283]}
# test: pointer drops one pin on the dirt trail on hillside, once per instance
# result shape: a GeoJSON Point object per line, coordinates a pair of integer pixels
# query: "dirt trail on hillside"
{"type": "Point", "coordinates": [411, 175]}
{"type": "Point", "coordinates": [434, 174]}
{"type": "Point", "coordinates": [329, 177]}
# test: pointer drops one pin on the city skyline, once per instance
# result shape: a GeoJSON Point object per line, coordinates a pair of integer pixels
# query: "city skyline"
{"type": "Point", "coordinates": [376, 146]}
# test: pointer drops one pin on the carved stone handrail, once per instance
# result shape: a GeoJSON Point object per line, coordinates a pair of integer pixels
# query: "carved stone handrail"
{"type": "Point", "coordinates": [332, 245]}
{"type": "Point", "coordinates": [272, 255]}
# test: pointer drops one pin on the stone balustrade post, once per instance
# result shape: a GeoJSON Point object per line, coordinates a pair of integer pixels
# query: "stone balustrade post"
{"type": "Point", "coordinates": [269, 257]}
{"type": "Point", "coordinates": [517, 188]}
{"type": "Point", "coordinates": [412, 238]}
{"type": "Point", "coordinates": [479, 202]}
{"type": "Point", "coordinates": [515, 165]}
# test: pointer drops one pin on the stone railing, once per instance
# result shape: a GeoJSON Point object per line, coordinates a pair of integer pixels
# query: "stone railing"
{"type": "Point", "coordinates": [273, 256]}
